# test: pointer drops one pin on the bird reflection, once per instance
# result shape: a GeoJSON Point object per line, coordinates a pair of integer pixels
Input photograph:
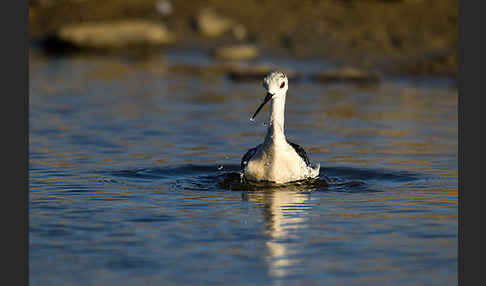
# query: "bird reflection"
{"type": "Point", "coordinates": [285, 211]}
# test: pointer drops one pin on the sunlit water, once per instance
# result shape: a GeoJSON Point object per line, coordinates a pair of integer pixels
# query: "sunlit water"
{"type": "Point", "coordinates": [133, 175]}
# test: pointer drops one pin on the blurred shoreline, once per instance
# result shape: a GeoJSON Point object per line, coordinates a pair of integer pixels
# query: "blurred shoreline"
{"type": "Point", "coordinates": [407, 37]}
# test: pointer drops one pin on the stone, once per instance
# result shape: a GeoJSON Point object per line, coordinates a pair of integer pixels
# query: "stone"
{"type": "Point", "coordinates": [236, 52]}
{"type": "Point", "coordinates": [164, 7]}
{"type": "Point", "coordinates": [239, 31]}
{"type": "Point", "coordinates": [212, 24]}
{"type": "Point", "coordinates": [115, 34]}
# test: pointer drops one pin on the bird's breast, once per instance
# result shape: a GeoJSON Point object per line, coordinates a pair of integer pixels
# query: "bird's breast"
{"type": "Point", "coordinates": [276, 163]}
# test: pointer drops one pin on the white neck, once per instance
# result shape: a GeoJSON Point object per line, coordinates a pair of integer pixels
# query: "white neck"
{"type": "Point", "coordinates": [275, 130]}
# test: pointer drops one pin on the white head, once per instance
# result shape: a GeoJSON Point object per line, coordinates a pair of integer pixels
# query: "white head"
{"type": "Point", "coordinates": [276, 84]}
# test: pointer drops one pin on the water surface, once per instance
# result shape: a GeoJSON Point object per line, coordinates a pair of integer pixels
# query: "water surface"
{"type": "Point", "coordinates": [133, 176]}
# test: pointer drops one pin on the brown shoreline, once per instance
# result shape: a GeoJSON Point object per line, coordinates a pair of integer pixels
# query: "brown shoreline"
{"type": "Point", "coordinates": [409, 37]}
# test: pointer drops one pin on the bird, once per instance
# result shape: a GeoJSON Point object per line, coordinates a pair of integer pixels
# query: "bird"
{"type": "Point", "coordinates": [276, 160]}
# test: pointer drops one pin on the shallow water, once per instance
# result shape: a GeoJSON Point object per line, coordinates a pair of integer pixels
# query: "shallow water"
{"type": "Point", "coordinates": [133, 175]}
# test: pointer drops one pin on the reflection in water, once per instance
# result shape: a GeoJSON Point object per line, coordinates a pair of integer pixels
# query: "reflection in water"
{"type": "Point", "coordinates": [285, 210]}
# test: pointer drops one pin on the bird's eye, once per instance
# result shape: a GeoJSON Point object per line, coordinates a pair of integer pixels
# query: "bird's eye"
{"type": "Point", "coordinates": [282, 84]}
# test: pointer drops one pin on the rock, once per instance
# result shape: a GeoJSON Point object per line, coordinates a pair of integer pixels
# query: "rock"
{"type": "Point", "coordinates": [236, 52]}
{"type": "Point", "coordinates": [164, 7]}
{"type": "Point", "coordinates": [107, 35]}
{"type": "Point", "coordinates": [239, 31]}
{"type": "Point", "coordinates": [257, 73]}
{"type": "Point", "coordinates": [346, 74]}
{"type": "Point", "coordinates": [211, 24]}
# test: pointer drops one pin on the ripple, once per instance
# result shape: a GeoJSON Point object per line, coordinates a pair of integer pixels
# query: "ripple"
{"type": "Point", "coordinates": [193, 177]}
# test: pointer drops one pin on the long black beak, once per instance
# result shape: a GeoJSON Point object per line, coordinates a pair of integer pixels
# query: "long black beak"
{"type": "Point", "coordinates": [267, 99]}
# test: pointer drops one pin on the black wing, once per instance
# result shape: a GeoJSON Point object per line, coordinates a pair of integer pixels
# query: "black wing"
{"type": "Point", "coordinates": [301, 152]}
{"type": "Point", "coordinates": [246, 158]}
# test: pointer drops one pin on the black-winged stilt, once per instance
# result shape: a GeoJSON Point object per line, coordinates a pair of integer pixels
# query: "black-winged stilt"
{"type": "Point", "coordinates": [276, 159]}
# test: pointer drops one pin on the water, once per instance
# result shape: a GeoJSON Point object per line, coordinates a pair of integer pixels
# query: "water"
{"type": "Point", "coordinates": [133, 175]}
